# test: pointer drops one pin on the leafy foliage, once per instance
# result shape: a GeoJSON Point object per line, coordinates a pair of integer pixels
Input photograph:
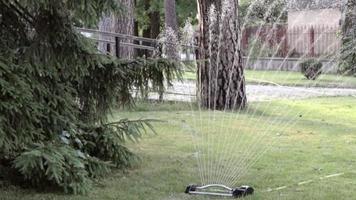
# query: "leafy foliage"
{"type": "Point", "coordinates": [348, 57]}
{"type": "Point", "coordinates": [311, 68]}
{"type": "Point", "coordinates": [187, 9]}
{"type": "Point", "coordinates": [57, 90]}
{"type": "Point", "coordinates": [263, 11]}
{"type": "Point", "coordinates": [348, 50]}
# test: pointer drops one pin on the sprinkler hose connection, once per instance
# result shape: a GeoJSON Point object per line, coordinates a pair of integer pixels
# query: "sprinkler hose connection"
{"type": "Point", "coordinates": [219, 190]}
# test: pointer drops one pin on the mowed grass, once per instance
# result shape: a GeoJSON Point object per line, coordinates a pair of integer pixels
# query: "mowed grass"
{"type": "Point", "coordinates": [287, 78]}
{"type": "Point", "coordinates": [268, 146]}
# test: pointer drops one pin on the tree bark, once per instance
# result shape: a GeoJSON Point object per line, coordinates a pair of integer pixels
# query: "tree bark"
{"type": "Point", "coordinates": [155, 20]}
{"type": "Point", "coordinates": [146, 32]}
{"type": "Point", "coordinates": [171, 30]}
{"type": "Point", "coordinates": [106, 24]}
{"type": "Point", "coordinates": [125, 24]}
{"type": "Point", "coordinates": [220, 72]}
{"type": "Point", "coordinates": [171, 15]}
{"type": "Point", "coordinates": [120, 23]}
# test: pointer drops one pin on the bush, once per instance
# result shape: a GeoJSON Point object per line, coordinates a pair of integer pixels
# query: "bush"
{"type": "Point", "coordinates": [311, 68]}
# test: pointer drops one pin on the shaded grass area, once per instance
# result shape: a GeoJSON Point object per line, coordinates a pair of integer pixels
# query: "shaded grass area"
{"type": "Point", "coordinates": [269, 145]}
{"type": "Point", "coordinates": [292, 79]}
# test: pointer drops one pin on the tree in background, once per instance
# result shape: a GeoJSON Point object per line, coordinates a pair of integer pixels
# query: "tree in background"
{"type": "Point", "coordinates": [170, 15]}
{"type": "Point", "coordinates": [220, 72]}
{"type": "Point", "coordinates": [171, 30]}
{"type": "Point", "coordinates": [120, 22]}
{"type": "Point", "coordinates": [348, 51]}
{"type": "Point", "coordinates": [263, 11]}
{"type": "Point", "coordinates": [57, 91]}
{"type": "Point", "coordinates": [151, 13]}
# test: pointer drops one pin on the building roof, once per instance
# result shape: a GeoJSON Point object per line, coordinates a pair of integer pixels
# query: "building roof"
{"type": "Point", "coordinates": [296, 5]}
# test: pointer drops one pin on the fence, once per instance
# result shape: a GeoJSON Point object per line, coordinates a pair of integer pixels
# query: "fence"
{"type": "Point", "coordinates": [292, 44]}
{"type": "Point", "coordinates": [314, 40]}
{"type": "Point", "coordinates": [269, 36]}
{"type": "Point", "coordinates": [112, 43]}
{"type": "Point", "coordinates": [286, 64]}
{"type": "Point", "coordinates": [297, 41]}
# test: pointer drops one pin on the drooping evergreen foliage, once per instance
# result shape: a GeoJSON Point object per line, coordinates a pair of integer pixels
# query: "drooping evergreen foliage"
{"type": "Point", "coordinates": [56, 91]}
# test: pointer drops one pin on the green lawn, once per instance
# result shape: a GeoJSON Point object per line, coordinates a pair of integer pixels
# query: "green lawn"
{"type": "Point", "coordinates": [193, 144]}
{"type": "Point", "coordinates": [292, 79]}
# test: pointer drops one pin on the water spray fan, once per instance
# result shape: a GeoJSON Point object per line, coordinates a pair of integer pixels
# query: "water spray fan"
{"type": "Point", "coordinates": [219, 190]}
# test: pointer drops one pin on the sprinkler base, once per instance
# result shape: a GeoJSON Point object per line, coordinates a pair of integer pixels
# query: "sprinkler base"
{"type": "Point", "coordinates": [219, 190]}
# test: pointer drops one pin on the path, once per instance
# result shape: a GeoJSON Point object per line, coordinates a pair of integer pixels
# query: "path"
{"type": "Point", "coordinates": [186, 92]}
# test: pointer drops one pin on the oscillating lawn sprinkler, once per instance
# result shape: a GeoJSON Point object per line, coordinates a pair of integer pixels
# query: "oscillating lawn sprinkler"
{"type": "Point", "coordinates": [219, 190]}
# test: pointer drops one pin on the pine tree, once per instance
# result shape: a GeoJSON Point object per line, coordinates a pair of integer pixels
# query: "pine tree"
{"type": "Point", "coordinates": [57, 90]}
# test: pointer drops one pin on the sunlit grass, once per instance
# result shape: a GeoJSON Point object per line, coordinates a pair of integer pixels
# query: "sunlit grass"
{"type": "Point", "coordinates": [319, 140]}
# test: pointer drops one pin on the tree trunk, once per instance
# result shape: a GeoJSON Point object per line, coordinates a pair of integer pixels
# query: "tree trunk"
{"type": "Point", "coordinates": [136, 33]}
{"type": "Point", "coordinates": [121, 23]}
{"type": "Point", "coordinates": [155, 20]}
{"type": "Point", "coordinates": [220, 72]}
{"type": "Point", "coordinates": [171, 30]}
{"type": "Point", "coordinates": [125, 24]}
{"type": "Point", "coordinates": [146, 32]}
{"type": "Point", "coordinates": [171, 15]}
{"type": "Point", "coordinates": [106, 24]}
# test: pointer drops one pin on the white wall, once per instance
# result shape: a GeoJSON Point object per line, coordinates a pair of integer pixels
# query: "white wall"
{"type": "Point", "coordinates": [328, 17]}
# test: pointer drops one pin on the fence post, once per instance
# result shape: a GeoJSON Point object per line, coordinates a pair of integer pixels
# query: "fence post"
{"type": "Point", "coordinates": [312, 40]}
{"type": "Point", "coordinates": [285, 42]}
{"type": "Point", "coordinates": [117, 47]}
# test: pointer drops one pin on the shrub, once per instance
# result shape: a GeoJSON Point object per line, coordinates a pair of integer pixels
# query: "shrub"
{"type": "Point", "coordinates": [311, 68]}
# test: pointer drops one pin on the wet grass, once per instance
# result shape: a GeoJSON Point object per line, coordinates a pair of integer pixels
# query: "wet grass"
{"type": "Point", "coordinates": [267, 146]}
{"type": "Point", "coordinates": [292, 79]}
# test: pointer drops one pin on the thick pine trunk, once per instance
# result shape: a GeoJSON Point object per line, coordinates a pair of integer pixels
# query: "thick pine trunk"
{"type": "Point", "coordinates": [220, 71]}
{"type": "Point", "coordinates": [120, 23]}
